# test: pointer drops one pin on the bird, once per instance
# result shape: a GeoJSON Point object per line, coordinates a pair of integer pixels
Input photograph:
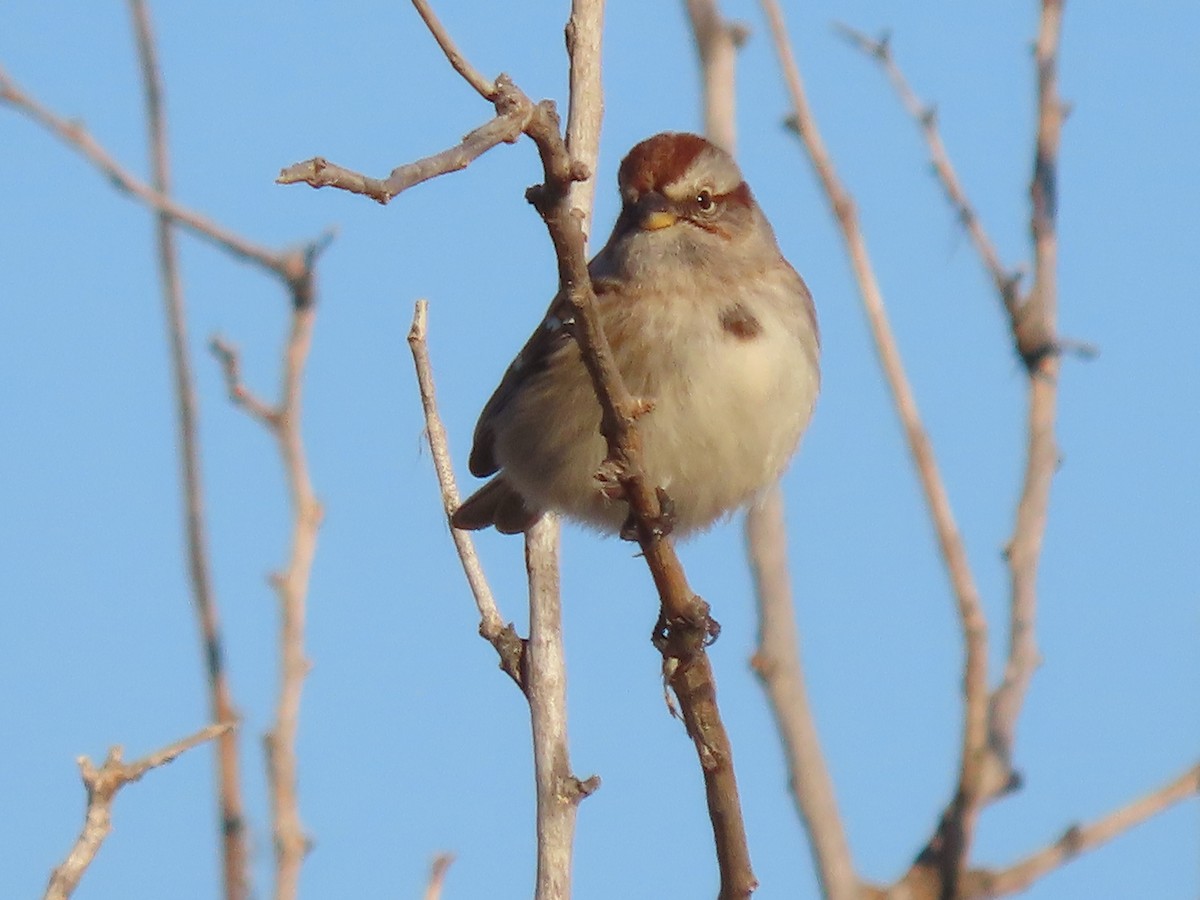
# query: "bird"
{"type": "Point", "coordinates": [713, 332]}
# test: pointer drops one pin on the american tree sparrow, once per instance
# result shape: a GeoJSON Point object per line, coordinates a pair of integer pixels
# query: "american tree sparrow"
{"type": "Point", "coordinates": [710, 327]}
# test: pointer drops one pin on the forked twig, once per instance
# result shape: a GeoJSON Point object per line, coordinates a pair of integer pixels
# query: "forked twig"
{"type": "Point", "coordinates": [102, 786]}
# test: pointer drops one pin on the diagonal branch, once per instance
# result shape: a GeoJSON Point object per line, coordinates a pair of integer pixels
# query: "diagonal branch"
{"type": "Point", "coordinates": [1079, 839]}
{"type": "Point", "coordinates": [102, 786]}
{"type": "Point", "coordinates": [1006, 282]}
{"type": "Point", "coordinates": [319, 172]}
{"type": "Point", "coordinates": [76, 136]}
{"type": "Point", "coordinates": [509, 646]}
{"type": "Point", "coordinates": [231, 814]}
{"type": "Point", "coordinates": [957, 827]}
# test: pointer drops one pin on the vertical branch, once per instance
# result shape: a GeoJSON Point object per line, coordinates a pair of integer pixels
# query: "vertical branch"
{"type": "Point", "coordinates": [952, 843]}
{"type": "Point", "coordinates": [291, 843]}
{"type": "Point", "coordinates": [558, 790]}
{"type": "Point", "coordinates": [777, 663]}
{"type": "Point", "coordinates": [229, 796]}
{"type": "Point", "coordinates": [717, 43]}
{"type": "Point", "coordinates": [584, 33]}
{"type": "Point", "coordinates": [1035, 326]}
{"type": "Point", "coordinates": [283, 421]}
{"type": "Point", "coordinates": [777, 658]}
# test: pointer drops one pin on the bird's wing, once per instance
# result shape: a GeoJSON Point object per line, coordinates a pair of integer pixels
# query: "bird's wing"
{"type": "Point", "coordinates": [550, 337]}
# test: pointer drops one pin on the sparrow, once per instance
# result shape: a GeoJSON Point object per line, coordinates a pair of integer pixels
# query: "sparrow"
{"type": "Point", "coordinates": [711, 329]}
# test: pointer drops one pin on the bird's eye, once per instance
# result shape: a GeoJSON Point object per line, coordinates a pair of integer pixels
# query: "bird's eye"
{"type": "Point", "coordinates": [705, 201]}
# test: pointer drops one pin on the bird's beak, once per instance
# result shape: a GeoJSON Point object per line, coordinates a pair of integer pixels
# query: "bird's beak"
{"type": "Point", "coordinates": [656, 213]}
{"type": "Point", "coordinates": [660, 218]}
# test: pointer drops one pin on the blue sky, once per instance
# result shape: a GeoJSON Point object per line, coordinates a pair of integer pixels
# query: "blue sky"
{"type": "Point", "coordinates": [412, 743]}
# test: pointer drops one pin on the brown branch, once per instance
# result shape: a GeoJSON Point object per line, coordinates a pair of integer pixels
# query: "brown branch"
{"type": "Point", "coordinates": [717, 42]}
{"type": "Point", "coordinates": [283, 421]}
{"type": "Point", "coordinates": [102, 785]}
{"type": "Point", "coordinates": [1038, 318]}
{"type": "Point", "coordinates": [437, 875]}
{"type": "Point", "coordinates": [487, 89]}
{"type": "Point", "coordinates": [957, 828]}
{"type": "Point", "coordinates": [231, 815]}
{"type": "Point", "coordinates": [777, 659]}
{"type": "Point", "coordinates": [1079, 839]}
{"type": "Point", "coordinates": [1007, 282]}
{"type": "Point", "coordinates": [777, 664]}
{"type": "Point", "coordinates": [75, 136]}
{"type": "Point", "coordinates": [319, 172]}
{"type": "Point", "coordinates": [503, 637]}
{"type": "Point", "coordinates": [685, 626]}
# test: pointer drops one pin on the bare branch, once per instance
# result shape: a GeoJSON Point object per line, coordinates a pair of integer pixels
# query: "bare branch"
{"type": "Point", "coordinates": [558, 790]}
{"type": "Point", "coordinates": [319, 172]}
{"type": "Point", "coordinates": [102, 785]}
{"type": "Point", "coordinates": [958, 822]}
{"type": "Point", "coordinates": [1007, 282]}
{"type": "Point", "coordinates": [240, 395]}
{"type": "Point", "coordinates": [509, 646]}
{"type": "Point", "coordinates": [231, 815]}
{"type": "Point", "coordinates": [717, 43]}
{"type": "Point", "coordinates": [437, 875]}
{"type": "Point", "coordinates": [75, 136]}
{"type": "Point", "coordinates": [1079, 839]}
{"type": "Point", "coordinates": [487, 89]}
{"type": "Point", "coordinates": [584, 34]}
{"type": "Point", "coordinates": [777, 664]}
{"type": "Point", "coordinates": [283, 422]}
{"type": "Point", "coordinates": [1035, 327]}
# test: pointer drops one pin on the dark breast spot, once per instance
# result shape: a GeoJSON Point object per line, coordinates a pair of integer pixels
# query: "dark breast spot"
{"type": "Point", "coordinates": [740, 322]}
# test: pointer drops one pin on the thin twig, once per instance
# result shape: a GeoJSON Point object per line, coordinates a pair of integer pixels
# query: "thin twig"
{"type": "Point", "coordinates": [1079, 839]}
{"type": "Point", "coordinates": [958, 822]}
{"type": "Point", "coordinates": [75, 136]}
{"type": "Point", "coordinates": [102, 785]}
{"type": "Point", "coordinates": [487, 89]}
{"type": "Point", "coordinates": [1037, 316]}
{"type": "Point", "coordinates": [503, 637]}
{"type": "Point", "coordinates": [231, 815]}
{"type": "Point", "coordinates": [283, 421]}
{"type": "Point", "coordinates": [1006, 281]}
{"type": "Point", "coordinates": [319, 172]}
{"type": "Point", "coordinates": [437, 875]}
